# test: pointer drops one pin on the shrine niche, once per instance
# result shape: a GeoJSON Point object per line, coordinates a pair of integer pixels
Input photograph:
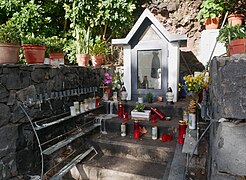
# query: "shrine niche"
{"type": "Point", "coordinates": [151, 58]}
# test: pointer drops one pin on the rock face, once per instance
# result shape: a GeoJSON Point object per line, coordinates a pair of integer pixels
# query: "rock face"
{"type": "Point", "coordinates": [179, 17]}
{"type": "Point", "coordinates": [227, 92]}
{"type": "Point", "coordinates": [40, 90]}
{"type": "Point", "coordinates": [228, 88]}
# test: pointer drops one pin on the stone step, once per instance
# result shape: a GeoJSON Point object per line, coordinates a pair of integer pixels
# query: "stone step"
{"type": "Point", "coordinates": [114, 124]}
{"type": "Point", "coordinates": [142, 149]}
{"type": "Point", "coordinates": [116, 168]}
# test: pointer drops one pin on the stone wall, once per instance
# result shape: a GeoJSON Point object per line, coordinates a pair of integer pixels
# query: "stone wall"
{"type": "Point", "coordinates": [40, 88]}
{"type": "Point", "coordinates": [228, 109]}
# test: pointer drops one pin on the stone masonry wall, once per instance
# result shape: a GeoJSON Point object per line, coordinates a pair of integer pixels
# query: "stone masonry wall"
{"type": "Point", "coordinates": [228, 108]}
{"type": "Point", "coordinates": [24, 83]}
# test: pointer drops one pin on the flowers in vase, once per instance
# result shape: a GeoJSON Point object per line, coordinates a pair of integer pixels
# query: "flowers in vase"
{"type": "Point", "coordinates": [195, 83]}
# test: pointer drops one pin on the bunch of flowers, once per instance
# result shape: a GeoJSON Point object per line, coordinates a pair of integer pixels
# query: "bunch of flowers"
{"type": "Point", "coordinates": [117, 82]}
{"type": "Point", "coordinates": [114, 80]}
{"type": "Point", "coordinates": [107, 79]}
{"type": "Point", "coordinates": [195, 84]}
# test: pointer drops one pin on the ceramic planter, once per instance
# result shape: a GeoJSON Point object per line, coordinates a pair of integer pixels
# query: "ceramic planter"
{"type": "Point", "coordinates": [34, 54]}
{"type": "Point", "coordinates": [83, 59]}
{"type": "Point", "coordinates": [9, 53]}
{"type": "Point", "coordinates": [56, 55]}
{"type": "Point", "coordinates": [237, 46]}
{"type": "Point", "coordinates": [235, 19]}
{"type": "Point", "coordinates": [97, 60]}
{"type": "Point", "coordinates": [212, 23]}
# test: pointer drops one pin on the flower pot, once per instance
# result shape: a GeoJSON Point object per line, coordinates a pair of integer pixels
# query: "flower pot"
{"type": "Point", "coordinates": [97, 60]}
{"type": "Point", "coordinates": [235, 19]}
{"type": "Point", "coordinates": [212, 23]}
{"type": "Point", "coordinates": [83, 59]}
{"type": "Point", "coordinates": [56, 55]}
{"type": "Point", "coordinates": [9, 53]}
{"type": "Point", "coordinates": [237, 46]}
{"type": "Point", "coordinates": [34, 54]}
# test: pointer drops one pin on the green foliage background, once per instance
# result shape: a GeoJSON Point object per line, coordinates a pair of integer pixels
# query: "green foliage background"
{"type": "Point", "coordinates": [107, 18]}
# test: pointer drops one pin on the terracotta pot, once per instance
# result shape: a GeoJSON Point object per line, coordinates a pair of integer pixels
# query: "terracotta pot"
{"type": "Point", "coordinates": [34, 54]}
{"type": "Point", "coordinates": [237, 46]}
{"type": "Point", "coordinates": [97, 60]}
{"type": "Point", "coordinates": [235, 19]}
{"type": "Point", "coordinates": [212, 23]}
{"type": "Point", "coordinates": [83, 59]}
{"type": "Point", "coordinates": [9, 53]}
{"type": "Point", "coordinates": [56, 55]}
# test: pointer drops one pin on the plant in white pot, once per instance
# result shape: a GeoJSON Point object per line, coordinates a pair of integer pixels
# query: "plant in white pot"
{"type": "Point", "coordinates": [9, 43]}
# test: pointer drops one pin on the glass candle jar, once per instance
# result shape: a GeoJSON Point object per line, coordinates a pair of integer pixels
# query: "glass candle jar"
{"type": "Point", "coordinates": [82, 107]}
{"type": "Point", "coordinates": [76, 105]}
{"type": "Point", "coordinates": [86, 104]}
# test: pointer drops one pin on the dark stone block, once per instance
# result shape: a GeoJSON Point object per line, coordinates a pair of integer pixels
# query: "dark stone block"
{"type": "Point", "coordinates": [9, 138]}
{"type": "Point", "coordinates": [40, 75]}
{"type": "Point", "coordinates": [18, 116]}
{"type": "Point", "coordinates": [3, 92]}
{"type": "Point", "coordinates": [228, 88]}
{"type": "Point", "coordinates": [12, 98]}
{"type": "Point", "coordinates": [24, 94]}
{"type": "Point", "coordinates": [8, 167]}
{"type": "Point", "coordinates": [4, 115]}
{"type": "Point", "coordinates": [17, 79]}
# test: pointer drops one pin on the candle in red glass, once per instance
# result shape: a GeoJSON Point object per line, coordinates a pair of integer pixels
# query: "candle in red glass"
{"type": "Point", "coordinates": [136, 129]}
{"type": "Point", "coordinates": [158, 113]}
{"type": "Point", "coordinates": [126, 115]}
{"type": "Point", "coordinates": [153, 119]}
{"type": "Point", "coordinates": [182, 132]}
{"type": "Point", "coordinates": [120, 110]}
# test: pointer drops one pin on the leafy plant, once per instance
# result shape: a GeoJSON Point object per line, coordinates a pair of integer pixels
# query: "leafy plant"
{"type": "Point", "coordinates": [210, 9]}
{"type": "Point", "coordinates": [235, 6]}
{"type": "Point", "coordinates": [229, 33]}
{"type": "Point", "coordinates": [32, 39]}
{"type": "Point", "coordinates": [99, 47]}
{"type": "Point", "coordinates": [149, 96]}
{"type": "Point", "coordinates": [9, 33]}
{"type": "Point", "coordinates": [55, 44]}
{"type": "Point", "coordinates": [82, 40]}
{"type": "Point", "coordinates": [139, 107]}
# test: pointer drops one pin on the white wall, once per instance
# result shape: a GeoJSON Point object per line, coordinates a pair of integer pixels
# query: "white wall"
{"type": "Point", "coordinates": [127, 70]}
{"type": "Point", "coordinates": [173, 68]}
{"type": "Point", "coordinates": [207, 42]}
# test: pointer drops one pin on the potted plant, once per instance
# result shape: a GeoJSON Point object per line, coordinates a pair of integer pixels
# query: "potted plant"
{"type": "Point", "coordinates": [236, 10]}
{"type": "Point", "coordinates": [97, 51]}
{"type": "Point", "coordinates": [234, 38]}
{"type": "Point", "coordinates": [149, 96]}
{"type": "Point", "coordinates": [34, 48]}
{"type": "Point", "coordinates": [55, 46]}
{"type": "Point", "coordinates": [139, 107]}
{"type": "Point", "coordinates": [82, 43]}
{"type": "Point", "coordinates": [210, 12]}
{"type": "Point", "coordinates": [9, 43]}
